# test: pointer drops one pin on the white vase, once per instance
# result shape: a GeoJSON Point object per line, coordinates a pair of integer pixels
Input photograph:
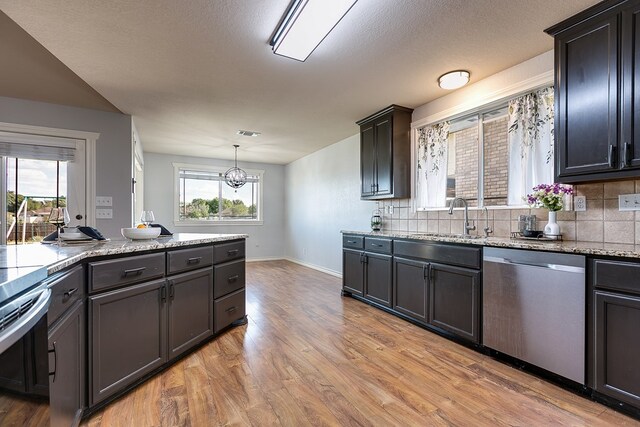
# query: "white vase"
{"type": "Point", "coordinates": [552, 229]}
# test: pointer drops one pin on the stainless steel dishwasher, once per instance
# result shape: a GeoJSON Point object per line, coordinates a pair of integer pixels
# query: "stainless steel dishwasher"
{"type": "Point", "coordinates": [533, 308]}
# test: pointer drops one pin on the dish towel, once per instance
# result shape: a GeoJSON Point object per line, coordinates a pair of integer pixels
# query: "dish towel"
{"type": "Point", "coordinates": [163, 231]}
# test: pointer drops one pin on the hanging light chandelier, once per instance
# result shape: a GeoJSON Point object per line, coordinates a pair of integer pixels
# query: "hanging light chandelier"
{"type": "Point", "coordinates": [235, 177]}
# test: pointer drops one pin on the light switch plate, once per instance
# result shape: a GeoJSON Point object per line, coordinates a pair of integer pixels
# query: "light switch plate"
{"type": "Point", "coordinates": [104, 213]}
{"type": "Point", "coordinates": [104, 201]}
{"type": "Point", "coordinates": [580, 203]}
{"type": "Point", "coordinates": [629, 202]}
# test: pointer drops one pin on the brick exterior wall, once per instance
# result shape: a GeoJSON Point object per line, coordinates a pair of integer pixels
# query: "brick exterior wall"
{"type": "Point", "coordinates": [467, 165]}
{"type": "Point", "coordinates": [496, 162]}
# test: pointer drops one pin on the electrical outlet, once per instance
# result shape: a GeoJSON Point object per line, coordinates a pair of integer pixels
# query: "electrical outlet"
{"type": "Point", "coordinates": [390, 209]}
{"type": "Point", "coordinates": [580, 203]}
{"type": "Point", "coordinates": [104, 213]}
{"type": "Point", "coordinates": [104, 201]}
{"type": "Point", "coordinates": [629, 202]}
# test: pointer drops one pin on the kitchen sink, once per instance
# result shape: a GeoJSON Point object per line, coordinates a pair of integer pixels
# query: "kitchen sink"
{"type": "Point", "coordinates": [448, 235]}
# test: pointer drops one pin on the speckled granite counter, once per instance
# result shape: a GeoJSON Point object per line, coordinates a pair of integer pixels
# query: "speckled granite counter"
{"type": "Point", "coordinates": [29, 264]}
{"type": "Point", "coordinates": [574, 247]}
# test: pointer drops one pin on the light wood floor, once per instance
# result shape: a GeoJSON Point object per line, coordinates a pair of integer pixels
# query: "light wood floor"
{"type": "Point", "coordinates": [311, 357]}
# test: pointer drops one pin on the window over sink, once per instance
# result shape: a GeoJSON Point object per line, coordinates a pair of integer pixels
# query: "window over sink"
{"type": "Point", "coordinates": [203, 197]}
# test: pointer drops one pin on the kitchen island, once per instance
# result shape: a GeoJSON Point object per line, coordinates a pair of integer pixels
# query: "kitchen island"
{"type": "Point", "coordinates": [120, 312]}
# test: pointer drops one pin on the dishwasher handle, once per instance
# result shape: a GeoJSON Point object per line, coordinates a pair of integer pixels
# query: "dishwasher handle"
{"type": "Point", "coordinates": [549, 266]}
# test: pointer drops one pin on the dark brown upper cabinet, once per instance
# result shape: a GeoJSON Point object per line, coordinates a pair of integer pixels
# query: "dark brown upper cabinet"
{"type": "Point", "coordinates": [597, 94]}
{"type": "Point", "coordinates": [385, 154]}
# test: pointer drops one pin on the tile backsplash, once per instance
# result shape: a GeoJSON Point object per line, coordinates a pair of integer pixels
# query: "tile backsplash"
{"type": "Point", "coordinates": [601, 222]}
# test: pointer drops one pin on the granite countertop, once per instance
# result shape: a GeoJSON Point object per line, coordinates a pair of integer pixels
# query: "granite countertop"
{"type": "Point", "coordinates": [22, 266]}
{"type": "Point", "coordinates": [567, 246]}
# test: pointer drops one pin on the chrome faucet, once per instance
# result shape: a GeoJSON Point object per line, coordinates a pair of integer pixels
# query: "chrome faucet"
{"type": "Point", "coordinates": [466, 226]}
{"type": "Point", "coordinates": [487, 229]}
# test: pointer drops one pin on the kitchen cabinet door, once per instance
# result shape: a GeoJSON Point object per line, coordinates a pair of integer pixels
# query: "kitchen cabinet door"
{"type": "Point", "coordinates": [67, 377]}
{"type": "Point", "coordinates": [353, 271]}
{"type": "Point", "coordinates": [630, 148]}
{"type": "Point", "coordinates": [128, 336]}
{"type": "Point", "coordinates": [190, 310]}
{"type": "Point", "coordinates": [410, 286]}
{"type": "Point", "coordinates": [454, 300]}
{"type": "Point", "coordinates": [384, 155]}
{"type": "Point", "coordinates": [367, 160]}
{"type": "Point", "coordinates": [617, 348]}
{"type": "Point", "coordinates": [587, 98]}
{"type": "Point", "coordinates": [378, 278]}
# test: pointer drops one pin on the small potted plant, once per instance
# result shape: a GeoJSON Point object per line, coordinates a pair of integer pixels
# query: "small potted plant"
{"type": "Point", "coordinates": [549, 196]}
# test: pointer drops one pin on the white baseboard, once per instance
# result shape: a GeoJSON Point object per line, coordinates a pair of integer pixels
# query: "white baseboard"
{"type": "Point", "coordinates": [316, 267]}
{"type": "Point", "coordinates": [269, 258]}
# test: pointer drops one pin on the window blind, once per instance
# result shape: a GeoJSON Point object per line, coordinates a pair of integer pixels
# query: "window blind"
{"type": "Point", "coordinates": [37, 147]}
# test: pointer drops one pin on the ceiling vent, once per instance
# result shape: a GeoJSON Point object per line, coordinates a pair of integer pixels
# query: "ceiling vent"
{"type": "Point", "coordinates": [248, 133]}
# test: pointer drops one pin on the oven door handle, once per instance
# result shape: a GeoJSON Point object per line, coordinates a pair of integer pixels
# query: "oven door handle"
{"type": "Point", "coordinates": [24, 323]}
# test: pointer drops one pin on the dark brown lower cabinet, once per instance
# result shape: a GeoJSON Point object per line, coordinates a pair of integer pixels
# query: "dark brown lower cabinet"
{"type": "Point", "coordinates": [378, 278]}
{"type": "Point", "coordinates": [66, 362]}
{"type": "Point", "coordinates": [410, 280]}
{"type": "Point", "coordinates": [617, 347]}
{"type": "Point", "coordinates": [190, 310]}
{"type": "Point", "coordinates": [353, 271]}
{"type": "Point", "coordinates": [128, 336]}
{"type": "Point", "coordinates": [454, 300]}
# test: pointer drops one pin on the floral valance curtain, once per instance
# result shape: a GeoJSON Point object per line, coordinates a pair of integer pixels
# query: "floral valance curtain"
{"type": "Point", "coordinates": [431, 182]}
{"type": "Point", "coordinates": [530, 136]}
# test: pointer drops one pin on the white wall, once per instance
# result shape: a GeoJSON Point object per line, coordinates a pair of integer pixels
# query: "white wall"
{"type": "Point", "coordinates": [265, 241]}
{"type": "Point", "coordinates": [113, 148]}
{"type": "Point", "coordinates": [322, 198]}
{"type": "Point", "coordinates": [535, 71]}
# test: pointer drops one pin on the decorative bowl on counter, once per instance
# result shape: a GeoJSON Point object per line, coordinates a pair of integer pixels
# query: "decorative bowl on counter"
{"type": "Point", "coordinates": [140, 233]}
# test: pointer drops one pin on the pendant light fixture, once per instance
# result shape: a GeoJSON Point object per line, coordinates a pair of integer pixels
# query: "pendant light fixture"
{"type": "Point", "coordinates": [235, 177]}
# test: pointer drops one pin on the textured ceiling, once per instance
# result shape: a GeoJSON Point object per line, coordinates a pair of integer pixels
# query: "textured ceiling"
{"type": "Point", "coordinates": [193, 73]}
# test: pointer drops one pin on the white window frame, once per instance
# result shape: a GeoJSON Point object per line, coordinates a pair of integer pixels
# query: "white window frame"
{"type": "Point", "coordinates": [88, 139]}
{"type": "Point", "coordinates": [477, 105]}
{"type": "Point", "coordinates": [226, 222]}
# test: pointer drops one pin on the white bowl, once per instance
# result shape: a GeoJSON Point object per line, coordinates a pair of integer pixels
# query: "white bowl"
{"type": "Point", "coordinates": [140, 233]}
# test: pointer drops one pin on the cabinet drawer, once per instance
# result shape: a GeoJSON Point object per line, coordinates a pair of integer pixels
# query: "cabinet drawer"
{"type": "Point", "coordinates": [189, 259]}
{"type": "Point", "coordinates": [228, 277]}
{"type": "Point", "coordinates": [447, 254]}
{"type": "Point", "coordinates": [228, 309]}
{"type": "Point", "coordinates": [374, 244]}
{"type": "Point", "coordinates": [122, 271]}
{"type": "Point", "coordinates": [616, 275]}
{"type": "Point", "coordinates": [65, 291]}
{"type": "Point", "coordinates": [227, 251]}
{"type": "Point", "coordinates": [353, 242]}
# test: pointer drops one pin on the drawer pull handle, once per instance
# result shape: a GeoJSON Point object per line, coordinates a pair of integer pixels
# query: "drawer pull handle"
{"type": "Point", "coordinates": [351, 241]}
{"type": "Point", "coordinates": [376, 245]}
{"type": "Point", "coordinates": [70, 292]}
{"type": "Point", "coordinates": [134, 271]}
{"type": "Point", "coordinates": [194, 260]}
{"type": "Point", "coordinates": [230, 309]}
{"type": "Point", "coordinates": [233, 278]}
{"type": "Point", "coordinates": [233, 252]}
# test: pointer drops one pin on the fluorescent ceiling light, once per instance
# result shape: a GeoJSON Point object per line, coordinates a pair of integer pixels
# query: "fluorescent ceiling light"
{"type": "Point", "coordinates": [247, 133]}
{"type": "Point", "coordinates": [453, 79]}
{"type": "Point", "coordinates": [306, 24]}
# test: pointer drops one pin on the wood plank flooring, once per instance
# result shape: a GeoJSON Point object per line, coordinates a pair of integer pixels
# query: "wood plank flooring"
{"type": "Point", "coordinates": [311, 357]}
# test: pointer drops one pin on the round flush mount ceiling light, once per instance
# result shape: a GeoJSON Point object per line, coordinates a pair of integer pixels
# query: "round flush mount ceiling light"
{"type": "Point", "coordinates": [453, 79]}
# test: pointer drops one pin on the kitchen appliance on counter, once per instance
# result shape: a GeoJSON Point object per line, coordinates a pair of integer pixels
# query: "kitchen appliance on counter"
{"type": "Point", "coordinates": [534, 308]}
